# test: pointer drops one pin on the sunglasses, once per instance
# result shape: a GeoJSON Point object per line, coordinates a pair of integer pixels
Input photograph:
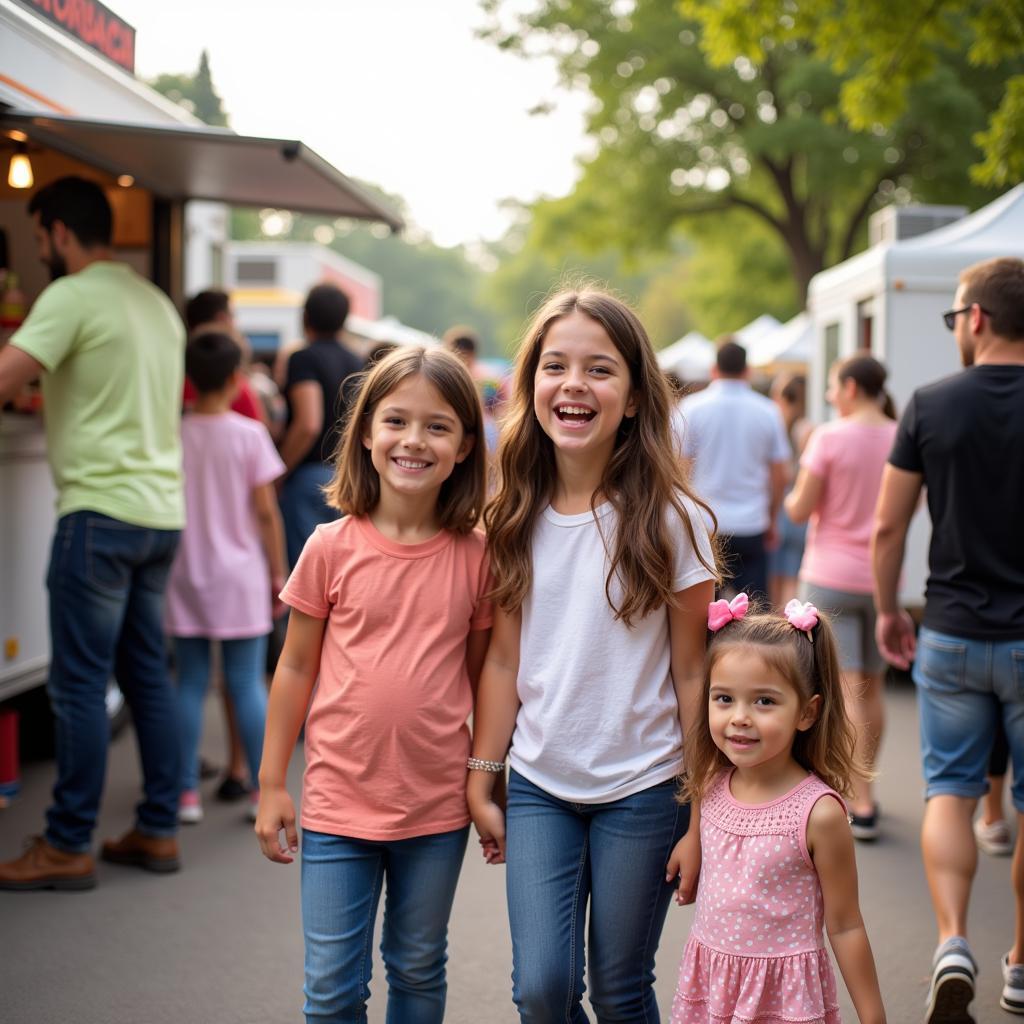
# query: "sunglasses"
{"type": "Point", "coordinates": [949, 317]}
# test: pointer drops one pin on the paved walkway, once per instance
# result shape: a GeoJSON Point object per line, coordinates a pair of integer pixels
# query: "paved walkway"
{"type": "Point", "coordinates": [221, 942]}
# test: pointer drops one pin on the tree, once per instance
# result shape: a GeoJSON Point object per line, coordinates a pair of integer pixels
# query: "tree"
{"type": "Point", "coordinates": [195, 93]}
{"type": "Point", "coordinates": [886, 49]}
{"type": "Point", "coordinates": [683, 139]}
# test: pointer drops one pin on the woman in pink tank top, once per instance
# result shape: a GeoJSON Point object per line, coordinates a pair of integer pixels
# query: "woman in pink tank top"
{"type": "Point", "coordinates": [767, 763]}
{"type": "Point", "coordinates": [837, 489]}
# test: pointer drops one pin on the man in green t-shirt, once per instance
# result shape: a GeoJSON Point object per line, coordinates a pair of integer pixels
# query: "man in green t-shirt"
{"type": "Point", "coordinates": [109, 348]}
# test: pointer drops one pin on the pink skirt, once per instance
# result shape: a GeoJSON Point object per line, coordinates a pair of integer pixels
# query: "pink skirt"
{"type": "Point", "coordinates": [719, 988]}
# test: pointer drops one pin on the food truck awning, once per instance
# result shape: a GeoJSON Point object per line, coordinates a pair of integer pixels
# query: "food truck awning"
{"type": "Point", "coordinates": [207, 163]}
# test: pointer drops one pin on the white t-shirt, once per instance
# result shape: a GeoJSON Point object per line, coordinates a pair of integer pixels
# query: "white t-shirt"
{"type": "Point", "coordinates": [599, 719]}
{"type": "Point", "coordinates": [733, 435]}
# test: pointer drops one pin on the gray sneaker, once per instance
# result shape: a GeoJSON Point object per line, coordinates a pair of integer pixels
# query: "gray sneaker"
{"type": "Point", "coordinates": [952, 987]}
{"type": "Point", "coordinates": [1012, 999]}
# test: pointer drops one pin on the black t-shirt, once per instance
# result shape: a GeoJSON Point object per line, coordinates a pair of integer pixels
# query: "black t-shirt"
{"type": "Point", "coordinates": [965, 434]}
{"type": "Point", "coordinates": [328, 362]}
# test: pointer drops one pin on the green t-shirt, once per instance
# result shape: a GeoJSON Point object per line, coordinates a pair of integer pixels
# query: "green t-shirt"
{"type": "Point", "coordinates": [113, 347]}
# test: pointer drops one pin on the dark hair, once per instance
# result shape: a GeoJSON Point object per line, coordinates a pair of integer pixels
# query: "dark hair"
{"type": "Point", "coordinates": [355, 489]}
{"type": "Point", "coordinates": [80, 205]}
{"type": "Point", "coordinates": [731, 359]}
{"type": "Point", "coordinates": [462, 339]}
{"type": "Point", "coordinates": [810, 664]}
{"type": "Point", "coordinates": [869, 375]}
{"type": "Point", "coordinates": [998, 287]}
{"type": "Point", "coordinates": [210, 359]}
{"type": "Point", "coordinates": [326, 309]}
{"type": "Point", "coordinates": [205, 307]}
{"type": "Point", "coordinates": [794, 391]}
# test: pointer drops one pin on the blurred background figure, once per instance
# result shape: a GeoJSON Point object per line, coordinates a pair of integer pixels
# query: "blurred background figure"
{"type": "Point", "coordinates": [735, 442]}
{"type": "Point", "coordinates": [789, 393]}
{"type": "Point", "coordinates": [316, 407]}
{"type": "Point", "coordinates": [465, 343]}
{"type": "Point", "coordinates": [210, 310]}
{"type": "Point", "coordinates": [837, 488]}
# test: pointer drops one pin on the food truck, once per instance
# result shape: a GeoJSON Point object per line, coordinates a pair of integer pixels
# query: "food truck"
{"type": "Point", "coordinates": [70, 104]}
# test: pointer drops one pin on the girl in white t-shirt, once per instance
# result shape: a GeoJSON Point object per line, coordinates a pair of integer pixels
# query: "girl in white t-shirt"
{"type": "Point", "coordinates": [603, 571]}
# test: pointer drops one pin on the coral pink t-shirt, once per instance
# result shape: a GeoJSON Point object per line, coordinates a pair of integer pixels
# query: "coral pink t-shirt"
{"type": "Point", "coordinates": [849, 458]}
{"type": "Point", "coordinates": [386, 735]}
{"type": "Point", "coordinates": [219, 585]}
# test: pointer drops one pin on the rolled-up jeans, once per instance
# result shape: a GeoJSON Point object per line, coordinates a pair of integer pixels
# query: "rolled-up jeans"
{"type": "Point", "coordinates": [243, 663]}
{"type": "Point", "coordinates": [562, 855]}
{"type": "Point", "coordinates": [342, 880]}
{"type": "Point", "coordinates": [106, 586]}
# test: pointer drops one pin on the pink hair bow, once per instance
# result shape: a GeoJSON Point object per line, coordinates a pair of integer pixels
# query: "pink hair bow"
{"type": "Point", "coordinates": [722, 612]}
{"type": "Point", "coordinates": [802, 616]}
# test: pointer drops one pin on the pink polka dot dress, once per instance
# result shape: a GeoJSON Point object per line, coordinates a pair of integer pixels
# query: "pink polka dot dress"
{"type": "Point", "coordinates": [756, 954]}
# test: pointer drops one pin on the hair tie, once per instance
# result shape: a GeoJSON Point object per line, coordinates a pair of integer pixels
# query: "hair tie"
{"type": "Point", "coordinates": [722, 612]}
{"type": "Point", "coordinates": [802, 616]}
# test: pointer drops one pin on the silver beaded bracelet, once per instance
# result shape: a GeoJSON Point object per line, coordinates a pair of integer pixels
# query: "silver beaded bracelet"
{"type": "Point", "coordinates": [480, 764]}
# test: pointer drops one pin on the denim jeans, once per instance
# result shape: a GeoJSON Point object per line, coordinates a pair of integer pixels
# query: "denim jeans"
{"type": "Point", "coordinates": [965, 688]}
{"type": "Point", "coordinates": [562, 855]}
{"type": "Point", "coordinates": [106, 584]}
{"type": "Point", "coordinates": [746, 561]}
{"type": "Point", "coordinates": [303, 507]}
{"type": "Point", "coordinates": [244, 664]}
{"type": "Point", "coordinates": [342, 880]}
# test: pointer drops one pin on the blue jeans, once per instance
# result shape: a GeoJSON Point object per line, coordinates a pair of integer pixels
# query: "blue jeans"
{"type": "Point", "coordinates": [964, 689]}
{"type": "Point", "coordinates": [244, 663]}
{"type": "Point", "coordinates": [106, 584]}
{"type": "Point", "coordinates": [562, 855]}
{"type": "Point", "coordinates": [303, 507]}
{"type": "Point", "coordinates": [342, 880]}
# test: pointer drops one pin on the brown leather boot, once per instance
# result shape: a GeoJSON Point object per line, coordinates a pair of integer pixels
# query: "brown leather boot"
{"type": "Point", "coordinates": [154, 853]}
{"type": "Point", "coordinates": [43, 866]}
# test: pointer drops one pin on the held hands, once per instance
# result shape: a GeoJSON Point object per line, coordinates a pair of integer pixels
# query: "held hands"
{"type": "Point", "coordinates": [489, 821]}
{"type": "Point", "coordinates": [276, 812]}
{"type": "Point", "coordinates": [894, 634]}
{"type": "Point", "coordinates": [684, 864]}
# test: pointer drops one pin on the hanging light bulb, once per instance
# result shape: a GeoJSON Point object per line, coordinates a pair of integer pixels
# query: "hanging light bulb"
{"type": "Point", "coordinates": [19, 174]}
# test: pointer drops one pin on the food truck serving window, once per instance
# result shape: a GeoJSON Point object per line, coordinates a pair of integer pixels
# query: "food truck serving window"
{"type": "Point", "coordinates": [207, 163]}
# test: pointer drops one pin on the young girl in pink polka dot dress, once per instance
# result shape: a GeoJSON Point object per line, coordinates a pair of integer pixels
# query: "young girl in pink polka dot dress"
{"type": "Point", "coordinates": [766, 765]}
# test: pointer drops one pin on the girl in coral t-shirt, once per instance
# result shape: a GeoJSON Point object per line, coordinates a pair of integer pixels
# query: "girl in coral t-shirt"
{"type": "Point", "coordinates": [389, 610]}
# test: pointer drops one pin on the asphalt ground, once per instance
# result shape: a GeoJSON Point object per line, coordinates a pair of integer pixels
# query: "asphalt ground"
{"type": "Point", "coordinates": [221, 940]}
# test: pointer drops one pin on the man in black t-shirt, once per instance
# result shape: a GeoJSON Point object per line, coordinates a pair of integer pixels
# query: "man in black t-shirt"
{"type": "Point", "coordinates": [316, 406]}
{"type": "Point", "coordinates": [961, 438]}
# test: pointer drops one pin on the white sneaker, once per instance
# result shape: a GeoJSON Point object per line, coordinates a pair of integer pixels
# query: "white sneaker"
{"type": "Point", "coordinates": [952, 987]}
{"type": "Point", "coordinates": [1012, 998]}
{"type": "Point", "coordinates": [993, 839]}
{"type": "Point", "coordinates": [190, 807]}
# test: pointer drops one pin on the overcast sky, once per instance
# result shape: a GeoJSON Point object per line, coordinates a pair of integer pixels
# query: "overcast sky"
{"type": "Point", "coordinates": [397, 92]}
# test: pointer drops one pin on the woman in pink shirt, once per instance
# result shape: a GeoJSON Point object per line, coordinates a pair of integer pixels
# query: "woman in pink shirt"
{"type": "Point", "coordinates": [390, 614]}
{"type": "Point", "coordinates": [837, 487]}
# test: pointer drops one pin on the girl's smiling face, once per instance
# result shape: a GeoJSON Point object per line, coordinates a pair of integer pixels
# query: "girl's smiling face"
{"type": "Point", "coordinates": [582, 388]}
{"type": "Point", "coordinates": [754, 712]}
{"type": "Point", "coordinates": [415, 439]}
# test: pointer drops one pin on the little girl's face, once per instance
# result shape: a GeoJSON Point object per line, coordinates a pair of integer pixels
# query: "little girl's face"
{"type": "Point", "coordinates": [754, 712]}
{"type": "Point", "coordinates": [581, 389]}
{"type": "Point", "coordinates": [415, 439]}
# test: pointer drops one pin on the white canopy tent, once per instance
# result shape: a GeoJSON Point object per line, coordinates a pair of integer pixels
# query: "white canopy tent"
{"type": "Point", "coordinates": [690, 358]}
{"type": "Point", "coordinates": [791, 342]}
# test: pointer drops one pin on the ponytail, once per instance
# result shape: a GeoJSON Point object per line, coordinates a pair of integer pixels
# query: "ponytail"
{"type": "Point", "coordinates": [869, 375]}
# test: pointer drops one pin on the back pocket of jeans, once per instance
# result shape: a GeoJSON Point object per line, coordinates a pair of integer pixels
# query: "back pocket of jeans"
{"type": "Point", "coordinates": [941, 663]}
{"type": "Point", "coordinates": [1017, 658]}
{"type": "Point", "coordinates": [108, 546]}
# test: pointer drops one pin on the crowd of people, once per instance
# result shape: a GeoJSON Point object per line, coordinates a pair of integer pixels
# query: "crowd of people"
{"type": "Point", "coordinates": [675, 688]}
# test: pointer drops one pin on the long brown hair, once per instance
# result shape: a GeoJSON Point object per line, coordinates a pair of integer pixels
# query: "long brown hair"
{"type": "Point", "coordinates": [355, 488]}
{"type": "Point", "coordinates": [811, 666]}
{"type": "Point", "coordinates": [643, 478]}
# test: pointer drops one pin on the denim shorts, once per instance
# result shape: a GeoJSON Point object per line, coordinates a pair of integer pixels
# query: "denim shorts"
{"type": "Point", "coordinates": [964, 688]}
